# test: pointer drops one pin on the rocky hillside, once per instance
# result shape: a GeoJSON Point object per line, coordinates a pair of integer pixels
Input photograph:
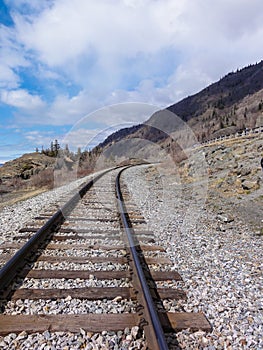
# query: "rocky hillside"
{"type": "Point", "coordinates": [32, 170]}
{"type": "Point", "coordinates": [26, 166]}
{"type": "Point", "coordinates": [233, 103]}
{"type": "Point", "coordinates": [235, 179]}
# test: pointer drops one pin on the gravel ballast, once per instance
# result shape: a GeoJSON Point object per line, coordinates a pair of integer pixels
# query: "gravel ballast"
{"type": "Point", "coordinates": [220, 261]}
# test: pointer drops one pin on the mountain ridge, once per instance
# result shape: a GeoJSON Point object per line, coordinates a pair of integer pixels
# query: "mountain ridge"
{"type": "Point", "coordinates": [231, 104]}
{"type": "Point", "coordinates": [231, 88]}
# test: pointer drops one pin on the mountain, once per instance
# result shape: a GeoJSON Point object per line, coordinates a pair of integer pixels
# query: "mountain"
{"type": "Point", "coordinates": [233, 103]}
{"type": "Point", "coordinates": [229, 105]}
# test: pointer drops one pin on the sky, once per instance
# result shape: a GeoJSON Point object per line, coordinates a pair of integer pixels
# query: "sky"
{"type": "Point", "coordinates": [76, 70]}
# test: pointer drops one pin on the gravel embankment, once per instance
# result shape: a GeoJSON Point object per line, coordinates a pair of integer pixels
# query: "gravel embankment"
{"type": "Point", "coordinates": [220, 261]}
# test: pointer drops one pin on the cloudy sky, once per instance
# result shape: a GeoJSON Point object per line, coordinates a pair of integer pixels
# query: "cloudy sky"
{"type": "Point", "coordinates": [63, 60]}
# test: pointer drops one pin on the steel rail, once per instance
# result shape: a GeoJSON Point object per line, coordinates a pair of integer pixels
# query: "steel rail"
{"type": "Point", "coordinates": [154, 331]}
{"type": "Point", "coordinates": [15, 265]}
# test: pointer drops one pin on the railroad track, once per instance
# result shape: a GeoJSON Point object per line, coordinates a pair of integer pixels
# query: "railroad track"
{"type": "Point", "coordinates": [95, 250]}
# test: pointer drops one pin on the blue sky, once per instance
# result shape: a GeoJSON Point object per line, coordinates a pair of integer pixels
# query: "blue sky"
{"type": "Point", "coordinates": [63, 63]}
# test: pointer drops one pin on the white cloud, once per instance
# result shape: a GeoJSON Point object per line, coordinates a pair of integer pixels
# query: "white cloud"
{"type": "Point", "coordinates": [121, 115]}
{"type": "Point", "coordinates": [112, 50]}
{"type": "Point", "coordinates": [83, 107]}
{"type": "Point", "coordinates": [38, 138]}
{"type": "Point", "coordinates": [11, 58]}
{"type": "Point", "coordinates": [82, 137]}
{"type": "Point", "coordinates": [8, 79]}
{"type": "Point", "coordinates": [221, 36]}
{"type": "Point", "coordinates": [29, 5]}
{"type": "Point", "coordinates": [70, 29]}
{"type": "Point", "coordinates": [68, 110]}
{"type": "Point", "coordinates": [91, 41]}
{"type": "Point", "coordinates": [145, 92]}
{"type": "Point", "coordinates": [22, 99]}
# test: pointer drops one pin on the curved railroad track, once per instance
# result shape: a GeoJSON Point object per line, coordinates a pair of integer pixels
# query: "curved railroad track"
{"type": "Point", "coordinates": [95, 249]}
